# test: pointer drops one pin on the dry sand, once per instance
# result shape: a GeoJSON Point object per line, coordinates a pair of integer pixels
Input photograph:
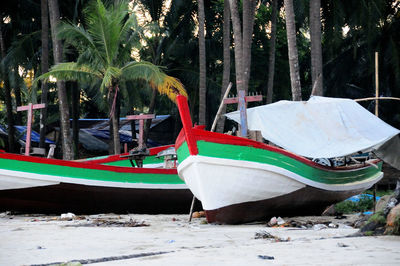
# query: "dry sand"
{"type": "Point", "coordinates": [171, 240]}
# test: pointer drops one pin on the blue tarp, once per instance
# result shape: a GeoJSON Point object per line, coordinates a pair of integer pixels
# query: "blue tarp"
{"type": "Point", "coordinates": [105, 134]}
{"type": "Point", "coordinates": [357, 198]}
{"type": "Point", "coordinates": [35, 137]}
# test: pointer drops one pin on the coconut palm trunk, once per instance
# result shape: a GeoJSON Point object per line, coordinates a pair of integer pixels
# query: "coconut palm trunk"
{"type": "Point", "coordinates": [115, 119]}
{"type": "Point", "coordinates": [202, 65]}
{"type": "Point", "coordinates": [271, 63]}
{"type": "Point", "coordinates": [292, 51]}
{"type": "Point", "coordinates": [7, 92]}
{"type": "Point", "coordinates": [237, 36]}
{"type": "Point", "coordinates": [44, 69]}
{"type": "Point", "coordinates": [227, 61]}
{"type": "Point", "coordinates": [249, 8]}
{"type": "Point", "coordinates": [316, 47]}
{"type": "Point", "coordinates": [61, 89]}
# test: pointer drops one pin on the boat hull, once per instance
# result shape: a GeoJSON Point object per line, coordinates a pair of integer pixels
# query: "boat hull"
{"type": "Point", "coordinates": [109, 184]}
{"type": "Point", "coordinates": [233, 191]}
{"type": "Point", "coordinates": [241, 180]}
{"type": "Point", "coordinates": [305, 201]}
{"type": "Point", "coordinates": [89, 199]}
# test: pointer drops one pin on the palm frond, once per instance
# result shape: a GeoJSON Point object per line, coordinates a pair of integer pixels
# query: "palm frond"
{"type": "Point", "coordinates": [171, 87]}
{"type": "Point", "coordinates": [70, 72]}
{"type": "Point", "coordinates": [78, 37]}
{"type": "Point", "coordinates": [143, 70]}
{"type": "Point", "coordinates": [110, 74]}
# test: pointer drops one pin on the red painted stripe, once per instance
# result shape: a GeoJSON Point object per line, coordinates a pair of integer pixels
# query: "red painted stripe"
{"type": "Point", "coordinates": [187, 123]}
{"type": "Point", "coordinates": [117, 157]}
{"type": "Point", "coordinates": [87, 165]}
{"type": "Point", "coordinates": [180, 139]}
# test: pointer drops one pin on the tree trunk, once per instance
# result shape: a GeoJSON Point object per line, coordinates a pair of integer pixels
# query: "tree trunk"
{"type": "Point", "coordinates": [249, 9]}
{"type": "Point", "coordinates": [227, 62]}
{"type": "Point", "coordinates": [62, 93]}
{"type": "Point", "coordinates": [44, 69]}
{"type": "Point", "coordinates": [292, 51]}
{"type": "Point", "coordinates": [237, 36]}
{"type": "Point", "coordinates": [271, 66]}
{"type": "Point", "coordinates": [7, 93]}
{"type": "Point", "coordinates": [18, 102]}
{"type": "Point", "coordinates": [202, 65]}
{"type": "Point", "coordinates": [75, 97]}
{"type": "Point", "coordinates": [316, 47]}
{"type": "Point", "coordinates": [115, 122]}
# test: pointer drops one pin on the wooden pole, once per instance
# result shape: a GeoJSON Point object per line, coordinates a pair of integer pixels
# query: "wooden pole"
{"type": "Point", "coordinates": [141, 118]}
{"type": "Point", "coordinates": [30, 107]}
{"type": "Point", "coordinates": [376, 98]}
{"type": "Point", "coordinates": [228, 89]}
{"type": "Point", "coordinates": [243, 114]}
{"type": "Point", "coordinates": [376, 85]}
{"type": "Point", "coordinates": [376, 107]}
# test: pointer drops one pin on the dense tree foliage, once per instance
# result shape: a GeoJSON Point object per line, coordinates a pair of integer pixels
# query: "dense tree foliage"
{"type": "Point", "coordinates": [352, 31]}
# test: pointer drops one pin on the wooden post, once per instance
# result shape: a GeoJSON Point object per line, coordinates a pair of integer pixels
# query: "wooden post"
{"type": "Point", "coordinates": [228, 89]}
{"type": "Point", "coordinates": [30, 107]}
{"type": "Point", "coordinates": [242, 100]}
{"type": "Point", "coordinates": [141, 118]}
{"type": "Point", "coordinates": [376, 85]}
{"type": "Point", "coordinates": [376, 107]}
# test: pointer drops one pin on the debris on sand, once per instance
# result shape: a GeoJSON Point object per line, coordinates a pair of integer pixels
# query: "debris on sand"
{"type": "Point", "coordinates": [386, 220]}
{"type": "Point", "coordinates": [266, 257]}
{"type": "Point", "coordinates": [199, 214]}
{"type": "Point", "coordinates": [266, 235]}
{"type": "Point", "coordinates": [104, 222]}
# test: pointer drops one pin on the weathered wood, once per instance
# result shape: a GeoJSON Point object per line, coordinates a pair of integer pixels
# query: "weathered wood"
{"type": "Point", "coordinates": [252, 98]}
{"type": "Point", "coordinates": [242, 100]}
{"type": "Point", "coordinates": [376, 85]}
{"type": "Point", "coordinates": [30, 107]}
{"type": "Point", "coordinates": [228, 89]}
{"type": "Point", "coordinates": [243, 113]}
{"type": "Point", "coordinates": [376, 98]}
{"type": "Point", "coordinates": [141, 118]}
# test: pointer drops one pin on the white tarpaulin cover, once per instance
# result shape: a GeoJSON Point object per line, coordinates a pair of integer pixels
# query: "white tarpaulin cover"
{"type": "Point", "coordinates": [322, 127]}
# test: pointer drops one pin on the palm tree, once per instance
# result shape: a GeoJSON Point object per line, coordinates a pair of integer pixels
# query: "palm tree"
{"type": "Point", "coordinates": [44, 68]}
{"type": "Point", "coordinates": [7, 90]}
{"type": "Point", "coordinates": [292, 51]}
{"type": "Point", "coordinates": [105, 56]}
{"type": "Point", "coordinates": [271, 63]}
{"type": "Point", "coordinates": [202, 65]}
{"type": "Point", "coordinates": [227, 61]}
{"type": "Point", "coordinates": [316, 47]}
{"type": "Point", "coordinates": [61, 89]}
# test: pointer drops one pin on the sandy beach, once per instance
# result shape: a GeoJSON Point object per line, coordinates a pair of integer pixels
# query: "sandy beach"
{"type": "Point", "coordinates": [110, 239]}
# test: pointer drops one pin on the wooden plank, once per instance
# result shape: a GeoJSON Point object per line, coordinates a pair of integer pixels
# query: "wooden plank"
{"type": "Point", "coordinates": [253, 98]}
{"type": "Point", "coordinates": [34, 106]}
{"type": "Point", "coordinates": [141, 116]}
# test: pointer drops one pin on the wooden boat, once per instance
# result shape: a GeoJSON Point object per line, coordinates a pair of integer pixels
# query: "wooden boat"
{"type": "Point", "coordinates": [105, 184]}
{"type": "Point", "coordinates": [240, 180]}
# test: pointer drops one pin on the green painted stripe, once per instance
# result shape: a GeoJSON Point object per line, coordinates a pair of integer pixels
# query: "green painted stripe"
{"type": "Point", "coordinates": [245, 153]}
{"type": "Point", "coordinates": [127, 163]}
{"type": "Point", "coordinates": [89, 174]}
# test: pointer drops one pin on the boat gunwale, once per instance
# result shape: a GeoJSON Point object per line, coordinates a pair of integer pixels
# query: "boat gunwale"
{"type": "Point", "coordinates": [200, 134]}
{"type": "Point", "coordinates": [86, 165]}
{"type": "Point", "coordinates": [118, 157]}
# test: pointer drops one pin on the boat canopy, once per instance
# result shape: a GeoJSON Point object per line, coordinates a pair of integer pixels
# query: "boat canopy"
{"type": "Point", "coordinates": [324, 127]}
